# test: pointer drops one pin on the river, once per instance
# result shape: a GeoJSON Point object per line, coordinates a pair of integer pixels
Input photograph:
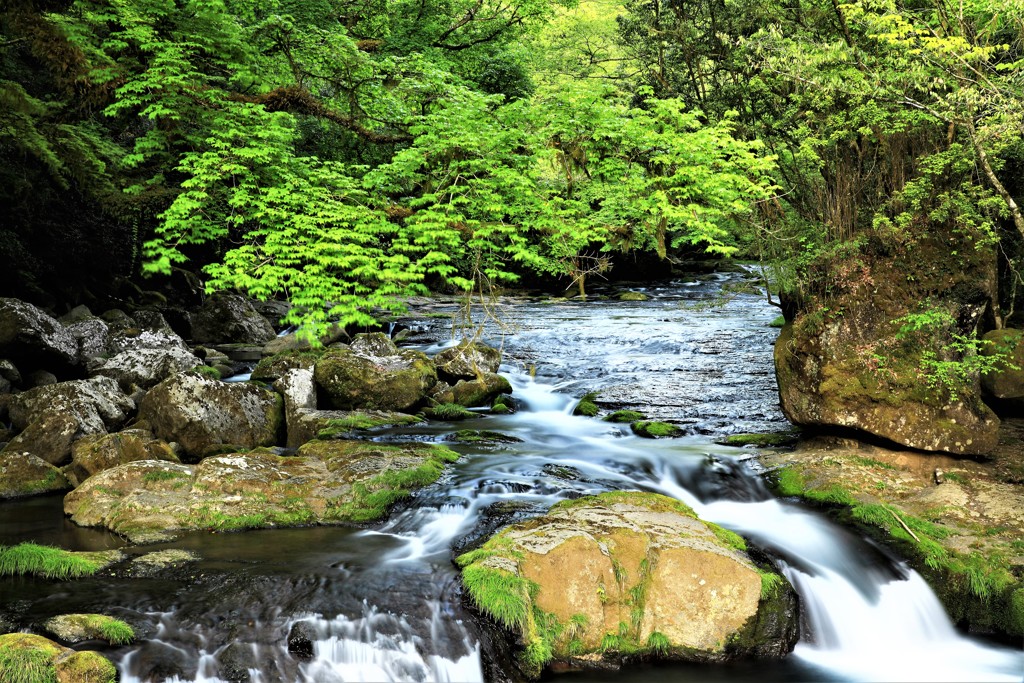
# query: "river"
{"type": "Point", "coordinates": [384, 603]}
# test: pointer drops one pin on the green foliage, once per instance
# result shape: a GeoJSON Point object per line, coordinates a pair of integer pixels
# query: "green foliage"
{"type": "Point", "coordinates": [655, 430]}
{"type": "Point", "coordinates": [450, 411]}
{"type": "Point", "coordinates": [45, 561]}
{"type": "Point", "coordinates": [771, 583]}
{"type": "Point", "coordinates": [625, 416]}
{"type": "Point", "coordinates": [501, 594]}
{"type": "Point", "coordinates": [658, 643]}
{"type": "Point", "coordinates": [26, 665]}
{"type": "Point", "coordinates": [586, 405]}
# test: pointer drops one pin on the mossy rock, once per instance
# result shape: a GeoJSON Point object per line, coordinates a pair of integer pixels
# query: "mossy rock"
{"type": "Point", "coordinates": [503, 405]}
{"type": "Point", "coordinates": [84, 667]}
{"type": "Point", "coordinates": [633, 296]}
{"type": "Point", "coordinates": [54, 563]}
{"type": "Point", "coordinates": [76, 628]}
{"type": "Point", "coordinates": [27, 475]}
{"type": "Point", "coordinates": [480, 392]}
{"type": "Point", "coordinates": [586, 406]}
{"type": "Point", "coordinates": [482, 436]}
{"type": "Point", "coordinates": [770, 440]}
{"type": "Point", "coordinates": [625, 416]}
{"type": "Point", "coordinates": [28, 658]}
{"type": "Point", "coordinates": [272, 368]}
{"type": "Point", "coordinates": [655, 430]}
{"type": "Point", "coordinates": [449, 411]}
{"type": "Point", "coordinates": [353, 380]}
{"type": "Point", "coordinates": [627, 573]}
{"type": "Point", "coordinates": [338, 424]}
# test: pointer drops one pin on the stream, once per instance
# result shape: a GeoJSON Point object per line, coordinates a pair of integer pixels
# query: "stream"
{"type": "Point", "coordinates": [384, 603]}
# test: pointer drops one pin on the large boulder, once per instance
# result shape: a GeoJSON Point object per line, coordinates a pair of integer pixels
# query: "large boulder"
{"type": "Point", "coordinates": [99, 452]}
{"type": "Point", "coordinates": [1005, 383]}
{"type": "Point", "coordinates": [467, 360]}
{"type": "Point", "coordinates": [626, 573]}
{"type": "Point", "coordinates": [92, 336]}
{"type": "Point", "coordinates": [22, 474]}
{"type": "Point", "coordinates": [228, 318]}
{"type": "Point", "coordinates": [30, 335]}
{"type": "Point", "coordinates": [28, 657]}
{"type": "Point", "coordinates": [133, 339]}
{"type": "Point", "coordinates": [204, 415]}
{"type": "Point", "coordinates": [374, 374]}
{"type": "Point", "coordinates": [326, 482]}
{"type": "Point", "coordinates": [52, 417]}
{"type": "Point", "coordinates": [143, 368]}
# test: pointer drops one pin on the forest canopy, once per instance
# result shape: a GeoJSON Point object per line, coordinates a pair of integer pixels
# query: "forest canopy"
{"type": "Point", "coordinates": [347, 153]}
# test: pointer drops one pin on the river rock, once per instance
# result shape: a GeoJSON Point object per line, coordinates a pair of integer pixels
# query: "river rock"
{"type": "Point", "coordinates": [228, 318]}
{"type": "Point", "coordinates": [30, 335]}
{"type": "Point", "coordinates": [274, 367]}
{"type": "Point", "coordinates": [146, 367]}
{"type": "Point", "coordinates": [133, 339]}
{"type": "Point", "coordinates": [99, 452]}
{"type": "Point", "coordinates": [374, 374]}
{"type": "Point", "coordinates": [78, 628]}
{"type": "Point", "coordinates": [201, 413]}
{"type": "Point", "coordinates": [51, 418]}
{"type": "Point", "coordinates": [294, 342]}
{"type": "Point", "coordinates": [22, 474]}
{"type": "Point", "coordinates": [628, 572]}
{"type": "Point", "coordinates": [26, 651]}
{"type": "Point", "coordinates": [92, 336]}
{"type": "Point", "coordinates": [468, 360]}
{"type": "Point", "coordinates": [480, 392]}
{"type": "Point", "coordinates": [327, 482]}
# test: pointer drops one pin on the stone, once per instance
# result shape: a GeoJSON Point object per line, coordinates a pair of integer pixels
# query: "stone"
{"type": "Point", "coordinates": [201, 413]}
{"type": "Point", "coordinates": [49, 438]}
{"type": "Point", "coordinates": [373, 374]}
{"type": "Point", "coordinates": [41, 378]}
{"type": "Point", "coordinates": [76, 314]}
{"type": "Point", "coordinates": [79, 667]}
{"type": "Point", "coordinates": [117, 320]}
{"type": "Point", "coordinates": [9, 372]}
{"type": "Point", "coordinates": [28, 334]}
{"type": "Point", "coordinates": [92, 454]}
{"type": "Point", "coordinates": [468, 360]}
{"type": "Point", "coordinates": [325, 482]}
{"type": "Point", "coordinates": [302, 637]}
{"type": "Point", "coordinates": [1005, 383]}
{"type": "Point", "coordinates": [77, 628]}
{"type": "Point", "coordinates": [27, 475]}
{"type": "Point", "coordinates": [293, 342]}
{"type": "Point", "coordinates": [228, 318]}
{"type": "Point", "coordinates": [92, 336]}
{"type": "Point", "coordinates": [145, 367]}
{"type": "Point", "coordinates": [629, 573]}
{"type": "Point", "coordinates": [275, 367]}
{"type": "Point", "coordinates": [153, 321]}
{"type": "Point", "coordinates": [134, 339]}
{"type": "Point", "coordinates": [480, 392]}
{"type": "Point", "coordinates": [62, 664]}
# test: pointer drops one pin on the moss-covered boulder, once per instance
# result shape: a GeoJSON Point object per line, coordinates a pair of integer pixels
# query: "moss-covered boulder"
{"type": "Point", "coordinates": [202, 414]}
{"type": "Point", "coordinates": [227, 318]}
{"type": "Point", "coordinates": [27, 475]}
{"type": "Point", "coordinates": [28, 658]}
{"type": "Point", "coordinates": [77, 628]}
{"type": "Point", "coordinates": [326, 482]}
{"type": "Point", "coordinates": [52, 417]}
{"type": "Point", "coordinates": [374, 374]}
{"type": "Point", "coordinates": [272, 368]}
{"type": "Point", "coordinates": [96, 453]}
{"type": "Point", "coordinates": [652, 429]}
{"type": "Point", "coordinates": [1006, 383]}
{"type": "Point", "coordinates": [467, 360]}
{"type": "Point", "coordinates": [480, 392]}
{"type": "Point", "coordinates": [143, 368]}
{"type": "Point", "coordinates": [628, 573]}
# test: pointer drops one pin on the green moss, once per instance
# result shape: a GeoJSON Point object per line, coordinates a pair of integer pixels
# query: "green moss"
{"type": "Point", "coordinates": [449, 411]}
{"type": "Point", "coordinates": [114, 631]}
{"type": "Point", "coordinates": [361, 421]}
{"type": "Point", "coordinates": [624, 416]}
{"type": "Point", "coordinates": [163, 475]}
{"type": "Point", "coordinates": [760, 440]}
{"type": "Point", "coordinates": [728, 538]}
{"type": "Point", "coordinates": [25, 665]}
{"type": "Point", "coordinates": [655, 430]}
{"type": "Point", "coordinates": [633, 296]}
{"type": "Point", "coordinates": [482, 436]}
{"type": "Point", "coordinates": [871, 462]}
{"type": "Point", "coordinates": [502, 595]}
{"type": "Point", "coordinates": [652, 501]}
{"type": "Point", "coordinates": [771, 583]}
{"type": "Point", "coordinates": [586, 406]}
{"type": "Point", "coordinates": [779, 321]}
{"type": "Point", "coordinates": [207, 371]}
{"type": "Point", "coordinates": [46, 561]}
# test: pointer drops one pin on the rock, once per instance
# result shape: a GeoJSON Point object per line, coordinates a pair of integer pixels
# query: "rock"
{"type": "Point", "coordinates": [272, 368]}
{"type": "Point", "coordinates": [301, 639]}
{"type": "Point", "coordinates": [326, 482]}
{"type": "Point", "coordinates": [655, 430]}
{"type": "Point", "coordinates": [633, 296]}
{"type": "Point", "coordinates": [1005, 383]}
{"type": "Point", "coordinates": [480, 392]}
{"type": "Point", "coordinates": [53, 417]}
{"type": "Point", "coordinates": [26, 475]}
{"type": "Point", "coordinates": [29, 335]}
{"type": "Point", "coordinates": [374, 374]}
{"type": "Point", "coordinates": [96, 453]}
{"type": "Point", "coordinates": [77, 628]}
{"type": "Point", "coordinates": [146, 367]}
{"type": "Point", "coordinates": [118, 321]}
{"type": "Point", "coordinates": [468, 360]}
{"type": "Point", "coordinates": [338, 424]}
{"type": "Point", "coordinates": [25, 653]}
{"type": "Point", "coordinates": [153, 321]}
{"type": "Point", "coordinates": [200, 413]}
{"type": "Point", "coordinates": [274, 311]}
{"type": "Point", "coordinates": [628, 572]}
{"type": "Point", "coordinates": [293, 342]}
{"type": "Point", "coordinates": [76, 314]}
{"type": "Point", "coordinates": [155, 563]}
{"type": "Point", "coordinates": [234, 662]}
{"type": "Point", "coordinates": [9, 372]}
{"type": "Point", "coordinates": [41, 378]}
{"type": "Point", "coordinates": [92, 336]}
{"type": "Point", "coordinates": [228, 318]}
{"type": "Point", "coordinates": [134, 339]}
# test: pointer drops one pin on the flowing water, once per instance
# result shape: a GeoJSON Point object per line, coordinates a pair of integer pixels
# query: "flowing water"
{"type": "Point", "coordinates": [384, 603]}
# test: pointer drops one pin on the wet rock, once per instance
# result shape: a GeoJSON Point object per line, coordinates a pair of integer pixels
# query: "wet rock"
{"type": "Point", "coordinates": [22, 474]}
{"type": "Point", "coordinates": [78, 628]}
{"type": "Point", "coordinates": [655, 430]}
{"type": "Point", "coordinates": [467, 360]}
{"type": "Point", "coordinates": [146, 367]}
{"type": "Point", "coordinates": [326, 482]}
{"type": "Point", "coordinates": [228, 318]}
{"type": "Point", "coordinates": [480, 392]}
{"type": "Point", "coordinates": [234, 662]}
{"type": "Point", "coordinates": [374, 374]}
{"type": "Point", "coordinates": [627, 573]}
{"type": "Point", "coordinates": [274, 367]}
{"type": "Point", "coordinates": [200, 413]}
{"type": "Point", "coordinates": [274, 311]}
{"type": "Point", "coordinates": [301, 639]}
{"type": "Point", "coordinates": [29, 335]}
{"type": "Point", "coordinates": [77, 667]}
{"type": "Point", "coordinates": [76, 315]}
{"type": "Point", "coordinates": [96, 453]}
{"type": "Point", "coordinates": [483, 436]}
{"type": "Point", "coordinates": [633, 296]}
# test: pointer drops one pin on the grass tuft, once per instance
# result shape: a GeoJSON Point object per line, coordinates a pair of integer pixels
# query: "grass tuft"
{"type": "Point", "coordinates": [45, 561]}
{"type": "Point", "coordinates": [587, 407]}
{"type": "Point", "coordinates": [658, 643]}
{"type": "Point", "coordinates": [26, 665]}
